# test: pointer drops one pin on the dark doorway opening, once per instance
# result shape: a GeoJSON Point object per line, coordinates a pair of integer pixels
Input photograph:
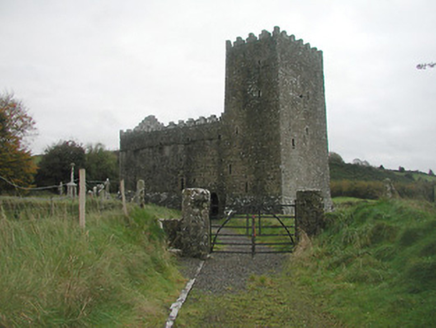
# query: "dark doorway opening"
{"type": "Point", "coordinates": [214, 205]}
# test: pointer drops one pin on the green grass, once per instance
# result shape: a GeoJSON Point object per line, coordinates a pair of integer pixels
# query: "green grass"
{"type": "Point", "coordinates": [347, 201]}
{"type": "Point", "coordinates": [375, 265]}
{"type": "Point", "coordinates": [418, 175]}
{"type": "Point", "coordinates": [115, 273]}
{"type": "Point", "coordinates": [268, 302]}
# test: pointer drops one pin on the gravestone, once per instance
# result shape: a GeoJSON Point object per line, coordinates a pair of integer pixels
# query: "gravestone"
{"type": "Point", "coordinates": [140, 192]}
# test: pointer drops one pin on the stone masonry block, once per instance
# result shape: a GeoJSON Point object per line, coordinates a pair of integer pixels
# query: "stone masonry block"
{"type": "Point", "coordinates": [309, 212]}
{"type": "Point", "coordinates": [195, 225]}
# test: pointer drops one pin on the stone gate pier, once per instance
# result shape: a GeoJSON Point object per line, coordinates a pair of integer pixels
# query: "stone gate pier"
{"type": "Point", "coordinates": [309, 216]}
{"type": "Point", "coordinates": [195, 223]}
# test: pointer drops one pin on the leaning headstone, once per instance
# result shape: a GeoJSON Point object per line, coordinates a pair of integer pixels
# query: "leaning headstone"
{"type": "Point", "coordinates": [195, 225]}
{"type": "Point", "coordinates": [107, 188]}
{"type": "Point", "coordinates": [140, 192]}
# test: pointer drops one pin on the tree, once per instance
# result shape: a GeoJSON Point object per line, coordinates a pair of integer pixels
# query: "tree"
{"type": "Point", "coordinates": [55, 164]}
{"type": "Point", "coordinates": [357, 161]}
{"type": "Point", "coordinates": [16, 164]}
{"type": "Point", "coordinates": [335, 158]}
{"type": "Point", "coordinates": [101, 164]}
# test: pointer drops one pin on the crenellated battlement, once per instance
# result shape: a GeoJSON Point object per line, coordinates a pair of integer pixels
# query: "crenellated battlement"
{"type": "Point", "coordinates": [152, 124]}
{"type": "Point", "coordinates": [265, 35]}
{"type": "Point", "coordinates": [269, 142]}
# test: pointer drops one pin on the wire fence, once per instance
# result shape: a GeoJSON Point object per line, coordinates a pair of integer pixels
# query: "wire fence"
{"type": "Point", "coordinates": [56, 200]}
{"type": "Point", "coordinates": [94, 187]}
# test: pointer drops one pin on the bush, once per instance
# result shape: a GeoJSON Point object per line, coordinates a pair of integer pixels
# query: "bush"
{"type": "Point", "coordinates": [357, 189]}
{"type": "Point", "coordinates": [422, 190]}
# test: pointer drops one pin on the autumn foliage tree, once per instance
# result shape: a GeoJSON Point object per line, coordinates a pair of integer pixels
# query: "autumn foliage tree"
{"type": "Point", "coordinates": [16, 164]}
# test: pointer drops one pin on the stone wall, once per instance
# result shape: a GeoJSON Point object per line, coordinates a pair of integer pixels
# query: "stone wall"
{"type": "Point", "coordinates": [170, 159]}
{"type": "Point", "coordinates": [309, 213]}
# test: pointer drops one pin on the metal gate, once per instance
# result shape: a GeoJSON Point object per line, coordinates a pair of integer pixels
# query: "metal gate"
{"type": "Point", "coordinates": [255, 230]}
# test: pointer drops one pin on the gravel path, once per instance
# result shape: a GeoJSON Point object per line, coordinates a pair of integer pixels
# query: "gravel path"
{"type": "Point", "coordinates": [224, 272]}
{"type": "Point", "coordinates": [227, 272]}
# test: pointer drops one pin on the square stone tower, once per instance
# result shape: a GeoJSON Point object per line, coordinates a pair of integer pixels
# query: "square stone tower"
{"type": "Point", "coordinates": [275, 116]}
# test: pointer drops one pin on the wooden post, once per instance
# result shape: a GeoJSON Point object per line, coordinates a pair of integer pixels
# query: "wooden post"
{"type": "Point", "coordinates": [82, 197]}
{"type": "Point", "coordinates": [123, 197]}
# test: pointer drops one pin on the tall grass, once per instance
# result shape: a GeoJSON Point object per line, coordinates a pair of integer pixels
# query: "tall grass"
{"type": "Point", "coordinates": [115, 273]}
{"type": "Point", "coordinates": [23, 208]}
{"type": "Point", "coordinates": [375, 265]}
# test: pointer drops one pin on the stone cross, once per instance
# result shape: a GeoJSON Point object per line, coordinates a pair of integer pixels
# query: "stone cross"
{"type": "Point", "coordinates": [71, 186]}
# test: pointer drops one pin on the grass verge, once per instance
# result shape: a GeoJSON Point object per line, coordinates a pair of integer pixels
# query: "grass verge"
{"type": "Point", "coordinates": [375, 265]}
{"type": "Point", "coordinates": [115, 273]}
{"type": "Point", "coordinates": [267, 302]}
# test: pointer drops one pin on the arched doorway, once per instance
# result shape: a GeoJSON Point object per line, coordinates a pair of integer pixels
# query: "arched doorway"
{"type": "Point", "coordinates": [214, 205]}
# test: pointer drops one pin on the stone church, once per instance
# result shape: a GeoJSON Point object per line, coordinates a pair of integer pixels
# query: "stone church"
{"type": "Point", "coordinates": [270, 141]}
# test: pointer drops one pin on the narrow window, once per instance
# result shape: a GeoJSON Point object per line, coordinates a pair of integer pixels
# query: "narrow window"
{"type": "Point", "coordinates": [293, 143]}
{"type": "Point", "coordinates": [182, 183]}
{"type": "Point", "coordinates": [259, 93]}
{"type": "Point", "coordinates": [246, 187]}
{"type": "Point", "coordinates": [230, 169]}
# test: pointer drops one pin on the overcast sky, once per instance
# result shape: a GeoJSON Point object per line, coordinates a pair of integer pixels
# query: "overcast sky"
{"type": "Point", "coordinates": [89, 68]}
